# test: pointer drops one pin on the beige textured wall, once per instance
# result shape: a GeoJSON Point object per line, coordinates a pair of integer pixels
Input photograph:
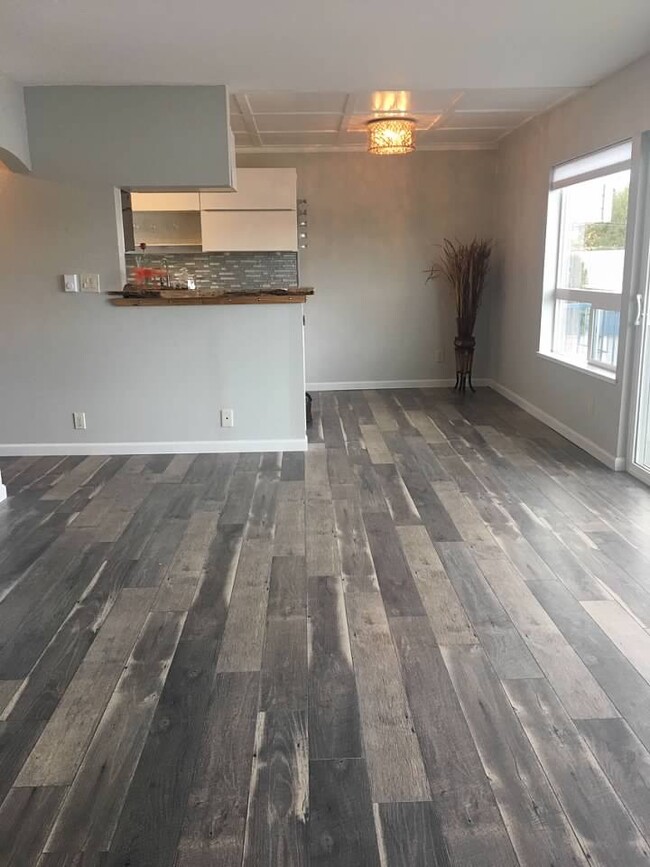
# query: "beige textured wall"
{"type": "Point", "coordinates": [615, 109]}
{"type": "Point", "coordinates": [373, 226]}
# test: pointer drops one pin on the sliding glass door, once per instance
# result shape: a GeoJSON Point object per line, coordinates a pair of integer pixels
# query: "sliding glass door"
{"type": "Point", "coordinates": [641, 444]}
{"type": "Point", "coordinates": [639, 451]}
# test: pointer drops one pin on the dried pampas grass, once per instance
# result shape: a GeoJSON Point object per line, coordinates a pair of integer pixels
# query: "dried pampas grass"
{"type": "Point", "coordinates": [464, 267]}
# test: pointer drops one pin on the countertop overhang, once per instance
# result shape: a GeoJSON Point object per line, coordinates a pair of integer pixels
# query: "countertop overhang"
{"type": "Point", "coordinates": [176, 298]}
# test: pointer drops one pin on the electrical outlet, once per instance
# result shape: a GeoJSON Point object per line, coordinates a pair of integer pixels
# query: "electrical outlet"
{"type": "Point", "coordinates": [70, 282]}
{"type": "Point", "coordinates": [227, 418]}
{"type": "Point", "coordinates": [440, 356]}
{"type": "Point", "coordinates": [90, 282]}
{"type": "Point", "coordinates": [79, 420]}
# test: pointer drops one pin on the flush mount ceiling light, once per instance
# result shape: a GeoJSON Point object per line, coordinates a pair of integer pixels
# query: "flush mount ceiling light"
{"type": "Point", "coordinates": [391, 135]}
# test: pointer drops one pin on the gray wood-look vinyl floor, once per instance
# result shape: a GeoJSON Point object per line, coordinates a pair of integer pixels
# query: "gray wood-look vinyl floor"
{"type": "Point", "coordinates": [424, 643]}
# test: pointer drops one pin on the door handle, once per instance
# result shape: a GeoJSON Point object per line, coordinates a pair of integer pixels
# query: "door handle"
{"type": "Point", "coordinates": [639, 309]}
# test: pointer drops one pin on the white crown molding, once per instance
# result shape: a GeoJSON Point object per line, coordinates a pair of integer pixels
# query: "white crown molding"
{"type": "Point", "coordinates": [153, 448]}
{"type": "Point", "coordinates": [536, 114]}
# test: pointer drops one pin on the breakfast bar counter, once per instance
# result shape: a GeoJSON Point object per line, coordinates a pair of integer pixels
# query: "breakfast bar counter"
{"type": "Point", "coordinates": [177, 298]}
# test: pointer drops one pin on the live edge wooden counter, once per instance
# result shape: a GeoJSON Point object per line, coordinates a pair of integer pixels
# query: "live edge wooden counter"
{"type": "Point", "coordinates": [178, 299]}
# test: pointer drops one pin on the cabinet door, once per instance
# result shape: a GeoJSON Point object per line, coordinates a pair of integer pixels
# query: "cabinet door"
{"type": "Point", "coordinates": [257, 190]}
{"type": "Point", "coordinates": [237, 231]}
{"type": "Point", "coordinates": [127, 221]}
{"type": "Point", "coordinates": [165, 201]}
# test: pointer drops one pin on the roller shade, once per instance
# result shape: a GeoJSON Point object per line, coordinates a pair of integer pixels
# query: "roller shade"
{"type": "Point", "coordinates": [616, 158]}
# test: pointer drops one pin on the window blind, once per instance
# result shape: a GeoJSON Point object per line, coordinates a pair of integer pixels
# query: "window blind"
{"type": "Point", "coordinates": [616, 158]}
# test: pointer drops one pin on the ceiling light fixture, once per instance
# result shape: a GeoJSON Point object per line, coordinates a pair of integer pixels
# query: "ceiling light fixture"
{"type": "Point", "coordinates": [391, 135]}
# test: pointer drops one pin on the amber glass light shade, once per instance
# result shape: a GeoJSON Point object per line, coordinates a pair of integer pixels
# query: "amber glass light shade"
{"type": "Point", "coordinates": [391, 135]}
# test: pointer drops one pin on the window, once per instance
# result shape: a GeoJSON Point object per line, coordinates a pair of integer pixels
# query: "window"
{"type": "Point", "coordinates": [585, 258]}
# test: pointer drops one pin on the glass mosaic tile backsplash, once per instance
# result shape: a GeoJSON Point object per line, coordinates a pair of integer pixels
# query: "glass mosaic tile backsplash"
{"type": "Point", "coordinates": [224, 271]}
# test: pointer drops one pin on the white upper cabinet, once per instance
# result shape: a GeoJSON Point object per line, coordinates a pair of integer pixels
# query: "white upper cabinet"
{"type": "Point", "coordinates": [239, 231]}
{"type": "Point", "coordinates": [165, 201]}
{"type": "Point", "coordinates": [257, 190]}
{"type": "Point", "coordinates": [260, 216]}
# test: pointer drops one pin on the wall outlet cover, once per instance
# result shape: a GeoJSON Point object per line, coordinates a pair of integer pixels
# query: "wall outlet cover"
{"type": "Point", "coordinates": [227, 418]}
{"type": "Point", "coordinates": [70, 282]}
{"type": "Point", "coordinates": [79, 420]}
{"type": "Point", "coordinates": [90, 283]}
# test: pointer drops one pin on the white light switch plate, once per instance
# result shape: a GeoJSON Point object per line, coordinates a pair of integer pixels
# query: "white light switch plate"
{"type": "Point", "coordinates": [90, 282]}
{"type": "Point", "coordinates": [70, 282]}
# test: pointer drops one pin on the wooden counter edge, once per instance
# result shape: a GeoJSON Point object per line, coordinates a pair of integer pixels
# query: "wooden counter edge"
{"type": "Point", "coordinates": [214, 300]}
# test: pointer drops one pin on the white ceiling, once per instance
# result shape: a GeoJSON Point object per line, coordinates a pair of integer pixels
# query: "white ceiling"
{"type": "Point", "coordinates": [445, 119]}
{"type": "Point", "coordinates": [336, 45]}
{"type": "Point", "coordinates": [304, 71]}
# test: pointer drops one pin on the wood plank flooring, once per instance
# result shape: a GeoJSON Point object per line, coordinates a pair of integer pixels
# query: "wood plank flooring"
{"type": "Point", "coordinates": [423, 643]}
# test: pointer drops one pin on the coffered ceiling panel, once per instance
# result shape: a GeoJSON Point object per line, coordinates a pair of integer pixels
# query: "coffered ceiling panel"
{"type": "Point", "coordinates": [244, 141]}
{"type": "Point", "coordinates": [449, 119]}
{"type": "Point", "coordinates": [237, 123]}
{"type": "Point", "coordinates": [417, 101]}
{"type": "Point", "coordinates": [487, 119]}
{"type": "Point", "coordinates": [286, 101]}
{"type": "Point", "coordinates": [299, 139]}
{"type": "Point", "coordinates": [444, 135]}
{"type": "Point", "coordinates": [302, 122]}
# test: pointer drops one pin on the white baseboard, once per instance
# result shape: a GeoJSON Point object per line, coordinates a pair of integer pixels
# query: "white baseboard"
{"type": "Point", "coordinates": [614, 462]}
{"type": "Point", "coordinates": [140, 448]}
{"type": "Point", "coordinates": [388, 383]}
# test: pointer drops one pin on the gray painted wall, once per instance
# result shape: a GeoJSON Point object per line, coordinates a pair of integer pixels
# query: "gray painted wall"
{"type": "Point", "coordinates": [173, 137]}
{"type": "Point", "coordinates": [613, 110]}
{"type": "Point", "coordinates": [154, 377]}
{"type": "Point", "coordinates": [14, 146]}
{"type": "Point", "coordinates": [141, 375]}
{"type": "Point", "coordinates": [374, 223]}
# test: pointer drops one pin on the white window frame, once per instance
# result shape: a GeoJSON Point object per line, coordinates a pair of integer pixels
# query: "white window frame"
{"type": "Point", "coordinates": [601, 163]}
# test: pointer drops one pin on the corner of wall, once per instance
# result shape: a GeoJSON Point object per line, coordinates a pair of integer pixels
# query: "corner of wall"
{"type": "Point", "coordinates": [614, 462]}
{"type": "Point", "coordinates": [14, 143]}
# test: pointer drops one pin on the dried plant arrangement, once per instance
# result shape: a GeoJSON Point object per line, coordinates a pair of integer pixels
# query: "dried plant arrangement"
{"type": "Point", "coordinates": [464, 267]}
